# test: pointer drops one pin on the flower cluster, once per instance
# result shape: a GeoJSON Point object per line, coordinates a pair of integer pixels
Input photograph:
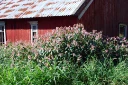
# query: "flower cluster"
{"type": "Point", "coordinates": [71, 42]}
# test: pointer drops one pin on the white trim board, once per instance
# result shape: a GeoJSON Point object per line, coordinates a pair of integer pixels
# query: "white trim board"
{"type": "Point", "coordinates": [4, 34]}
{"type": "Point", "coordinates": [85, 9]}
{"type": "Point", "coordinates": [33, 23]}
{"type": "Point", "coordinates": [3, 24]}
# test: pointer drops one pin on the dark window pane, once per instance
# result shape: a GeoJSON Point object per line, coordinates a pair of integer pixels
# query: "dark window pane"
{"type": "Point", "coordinates": [122, 31]}
{"type": "Point", "coordinates": [34, 27]}
{"type": "Point", "coordinates": [1, 37]}
{"type": "Point", "coordinates": [1, 28]}
{"type": "Point", "coordinates": [34, 34]}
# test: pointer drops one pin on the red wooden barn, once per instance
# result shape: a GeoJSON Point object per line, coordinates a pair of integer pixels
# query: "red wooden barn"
{"type": "Point", "coordinates": [24, 19]}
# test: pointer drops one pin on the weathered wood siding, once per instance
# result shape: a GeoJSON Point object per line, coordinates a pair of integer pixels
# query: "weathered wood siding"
{"type": "Point", "coordinates": [106, 15]}
{"type": "Point", "coordinates": [17, 30]}
{"type": "Point", "coordinates": [122, 12]}
{"type": "Point", "coordinates": [102, 15]}
{"type": "Point", "coordinates": [20, 29]}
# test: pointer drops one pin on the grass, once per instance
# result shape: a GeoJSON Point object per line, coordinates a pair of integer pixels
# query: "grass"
{"type": "Point", "coordinates": [69, 57]}
{"type": "Point", "coordinates": [90, 73]}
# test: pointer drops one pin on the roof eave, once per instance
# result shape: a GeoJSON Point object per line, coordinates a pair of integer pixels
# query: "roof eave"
{"type": "Point", "coordinates": [73, 15]}
{"type": "Point", "coordinates": [83, 8]}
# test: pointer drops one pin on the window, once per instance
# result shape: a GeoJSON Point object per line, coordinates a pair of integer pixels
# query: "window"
{"type": "Point", "coordinates": [2, 33]}
{"type": "Point", "coordinates": [122, 30]}
{"type": "Point", "coordinates": [34, 31]}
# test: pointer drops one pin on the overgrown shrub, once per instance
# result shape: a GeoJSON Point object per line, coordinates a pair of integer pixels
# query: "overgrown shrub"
{"type": "Point", "coordinates": [77, 45]}
{"type": "Point", "coordinates": [68, 56]}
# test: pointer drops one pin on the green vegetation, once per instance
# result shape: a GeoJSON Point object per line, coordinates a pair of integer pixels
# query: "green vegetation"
{"type": "Point", "coordinates": [70, 56]}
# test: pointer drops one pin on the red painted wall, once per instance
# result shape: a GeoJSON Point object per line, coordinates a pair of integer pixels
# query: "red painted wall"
{"type": "Point", "coordinates": [47, 24]}
{"type": "Point", "coordinates": [102, 15]}
{"type": "Point", "coordinates": [106, 15]}
{"type": "Point", "coordinates": [122, 12]}
{"type": "Point", "coordinates": [19, 29]}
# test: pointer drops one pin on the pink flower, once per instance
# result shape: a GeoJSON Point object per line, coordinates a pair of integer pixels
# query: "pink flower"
{"type": "Point", "coordinates": [86, 33]}
{"type": "Point", "coordinates": [92, 47]}
{"type": "Point", "coordinates": [68, 45]}
{"type": "Point", "coordinates": [75, 43]}
{"type": "Point", "coordinates": [29, 57]}
{"type": "Point", "coordinates": [94, 31]}
{"type": "Point", "coordinates": [123, 45]}
{"type": "Point", "coordinates": [106, 51]}
{"type": "Point", "coordinates": [79, 58]}
{"type": "Point", "coordinates": [74, 54]}
{"type": "Point", "coordinates": [57, 28]}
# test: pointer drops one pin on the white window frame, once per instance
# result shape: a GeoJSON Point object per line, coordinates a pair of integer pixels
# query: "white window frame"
{"type": "Point", "coordinates": [34, 23]}
{"type": "Point", "coordinates": [125, 35]}
{"type": "Point", "coordinates": [3, 24]}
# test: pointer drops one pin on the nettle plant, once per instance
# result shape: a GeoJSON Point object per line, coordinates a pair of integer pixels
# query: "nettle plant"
{"type": "Point", "coordinates": [76, 45]}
